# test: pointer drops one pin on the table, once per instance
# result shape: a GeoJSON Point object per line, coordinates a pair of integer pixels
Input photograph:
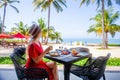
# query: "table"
{"type": "Point", "coordinates": [67, 61]}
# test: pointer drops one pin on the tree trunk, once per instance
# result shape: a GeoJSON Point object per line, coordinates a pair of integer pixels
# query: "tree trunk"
{"type": "Point", "coordinates": [42, 39]}
{"type": "Point", "coordinates": [103, 27]}
{"type": "Point", "coordinates": [4, 14]}
{"type": "Point", "coordinates": [48, 25]}
{"type": "Point", "coordinates": [106, 41]}
{"type": "Point", "coordinates": [56, 40]}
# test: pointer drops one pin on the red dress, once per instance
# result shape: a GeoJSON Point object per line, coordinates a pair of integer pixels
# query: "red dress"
{"type": "Point", "coordinates": [34, 51]}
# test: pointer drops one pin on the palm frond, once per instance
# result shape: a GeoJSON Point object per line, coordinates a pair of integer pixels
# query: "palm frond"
{"type": "Point", "coordinates": [45, 5]}
{"type": "Point", "coordinates": [15, 8]}
{"type": "Point", "coordinates": [118, 2]}
{"type": "Point", "coordinates": [13, 1]}
{"type": "Point", "coordinates": [109, 2]}
{"type": "Point", "coordinates": [1, 5]}
{"type": "Point", "coordinates": [38, 3]}
{"type": "Point", "coordinates": [63, 2]}
{"type": "Point", "coordinates": [87, 2]}
{"type": "Point", "coordinates": [98, 2]}
{"type": "Point", "coordinates": [57, 6]}
{"type": "Point", "coordinates": [114, 17]}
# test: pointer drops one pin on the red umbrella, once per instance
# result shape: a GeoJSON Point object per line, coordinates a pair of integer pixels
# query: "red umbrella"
{"type": "Point", "coordinates": [19, 35]}
{"type": "Point", "coordinates": [5, 35]}
{"type": "Point", "coordinates": [27, 37]}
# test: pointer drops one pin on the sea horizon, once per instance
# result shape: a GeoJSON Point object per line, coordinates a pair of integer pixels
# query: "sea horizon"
{"type": "Point", "coordinates": [90, 40]}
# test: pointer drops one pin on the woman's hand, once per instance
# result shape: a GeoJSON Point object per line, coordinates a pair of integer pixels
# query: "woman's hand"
{"type": "Point", "coordinates": [48, 49]}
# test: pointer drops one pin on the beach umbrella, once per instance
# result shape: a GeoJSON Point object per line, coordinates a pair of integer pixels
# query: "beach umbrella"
{"type": "Point", "coordinates": [27, 37]}
{"type": "Point", "coordinates": [3, 35]}
{"type": "Point", "coordinates": [18, 35]}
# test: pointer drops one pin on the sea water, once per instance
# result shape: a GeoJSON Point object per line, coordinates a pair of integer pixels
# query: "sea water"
{"type": "Point", "coordinates": [89, 40]}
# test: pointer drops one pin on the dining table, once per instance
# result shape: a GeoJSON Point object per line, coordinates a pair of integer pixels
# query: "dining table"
{"type": "Point", "coordinates": [68, 60]}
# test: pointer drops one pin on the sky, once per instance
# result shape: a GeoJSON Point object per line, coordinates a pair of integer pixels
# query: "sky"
{"type": "Point", "coordinates": [73, 22]}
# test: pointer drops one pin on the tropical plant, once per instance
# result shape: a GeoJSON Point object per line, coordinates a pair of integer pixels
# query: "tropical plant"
{"type": "Point", "coordinates": [21, 28]}
{"type": "Point", "coordinates": [109, 23]}
{"type": "Point", "coordinates": [43, 27]}
{"type": "Point", "coordinates": [0, 25]}
{"type": "Point", "coordinates": [102, 2]}
{"type": "Point", "coordinates": [46, 4]}
{"type": "Point", "coordinates": [52, 34]}
{"type": "Point", "coordinates": [56, 36]}
{"type": "Point", "coordinates": [5, 3]}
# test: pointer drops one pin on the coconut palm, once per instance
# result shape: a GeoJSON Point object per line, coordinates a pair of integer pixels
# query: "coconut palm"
{"type": "Point", "coordinates": [0, 25]}
{"type": "Point", "coordinates": [109, 23]}
{"type": "Point", "coordinates": [56, 36]}
{"type": "Point", "coordinates": [22, 28]}
{"type": "Point", "coordinates": [46, 4]}
{"type": "Point", "coordinates": [43, 27]}
{"type": "Point", "coordinates": [5, 3]}
{"type": "Point", "coordinates": [102, 2]}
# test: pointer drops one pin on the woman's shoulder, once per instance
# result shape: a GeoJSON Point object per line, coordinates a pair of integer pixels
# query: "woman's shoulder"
{"type": "Point", "coordinates": [33, 44]}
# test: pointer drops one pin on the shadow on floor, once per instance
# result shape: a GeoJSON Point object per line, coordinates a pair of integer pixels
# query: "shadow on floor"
{"type": "Point", "coordinates": [9, 74]}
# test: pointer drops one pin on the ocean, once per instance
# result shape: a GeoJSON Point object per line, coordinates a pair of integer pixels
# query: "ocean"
{"type": "Point", "coordinates": [88, 40]}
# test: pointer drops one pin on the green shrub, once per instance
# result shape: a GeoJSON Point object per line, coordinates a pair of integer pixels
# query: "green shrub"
{"type": "Point", "coordinates": [5, 60]}
{"type": "Point", "coordinates": [111, 61]}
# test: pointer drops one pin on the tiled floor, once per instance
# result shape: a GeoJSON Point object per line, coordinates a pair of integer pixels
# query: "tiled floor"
{"type": "Point", "coordinates": [9, 74]}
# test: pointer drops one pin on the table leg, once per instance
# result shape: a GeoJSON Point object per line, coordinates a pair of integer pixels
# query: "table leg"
{"type": "Point", "coordinates": [67, 71]}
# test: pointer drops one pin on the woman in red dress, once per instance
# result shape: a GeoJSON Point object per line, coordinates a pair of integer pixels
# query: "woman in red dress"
{"type": "Point", "coordinates": [35, 54]}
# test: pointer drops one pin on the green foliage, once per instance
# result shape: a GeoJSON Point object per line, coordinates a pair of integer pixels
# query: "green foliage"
{"type": "Point", "coordinates": [0, 25]}
{"type": "Point", "coordinates": [111, 61]}
{"type": "Point", "coordinates": [113, 44]}
{"type": "Point", "coordinates": [53, 35]}
{"type": "Point", "coordinates": [109, 22]}
{"type": "Point", "coordinates": [5, 60]}
{"type": "Point", "coordinates": [21, 27]}
{"type": "Point", "coordinates": [45, 4]}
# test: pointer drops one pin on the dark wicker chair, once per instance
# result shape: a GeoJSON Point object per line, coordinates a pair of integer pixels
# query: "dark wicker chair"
{"type": "Point", "coordinates": [91, 71]}
{"type": "Point", "coordinates": [23, 73]}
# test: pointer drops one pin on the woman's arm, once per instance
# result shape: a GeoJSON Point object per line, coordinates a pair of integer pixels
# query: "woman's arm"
{"type": "Point", "coordinates": [26, 56]}
{"type": "Point", "coordinates": [37, 59]}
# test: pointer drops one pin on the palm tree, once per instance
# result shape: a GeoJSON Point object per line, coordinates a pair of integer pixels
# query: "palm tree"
{"type": "Point", "coordinates": [56, 36]}
{"type": "Point", "coordinates": [22, 28]}
{"type": "Point", "coordinates": [0, 25]}
{"type": "Point", "coordinates": [102, 2]}
{"type": "Point", "coordinates": [5, 3]}
{"type": "Point", "coordinates": [43, 27]}
{"type": "Point", "coordinates": [46, 4]}
{"type": "Point", "coordinates": [109, 23]}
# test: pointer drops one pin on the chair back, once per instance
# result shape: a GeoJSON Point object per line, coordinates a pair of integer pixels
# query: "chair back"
{"type": "Point", "coordinates": [98, 67]}
{"type": "Point", "coordinates": [17, 60]}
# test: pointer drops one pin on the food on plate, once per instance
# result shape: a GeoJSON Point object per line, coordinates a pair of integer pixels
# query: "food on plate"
{"type": "Point", "coordinates": [65, 52]}
{"type": "Point", "coordinates": [54, 54]}
{"type": "Point", "coordinates": [74, 52]}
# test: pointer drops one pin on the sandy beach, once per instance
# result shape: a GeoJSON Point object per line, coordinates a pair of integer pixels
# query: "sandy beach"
{"type": "Point", "coordinates": [115, 51]}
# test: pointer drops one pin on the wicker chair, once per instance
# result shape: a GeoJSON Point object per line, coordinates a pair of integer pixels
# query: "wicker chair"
{"type": "Point", "coordinates": [23, 73]}
{"type": "Point", "coordinates": [91, 71]}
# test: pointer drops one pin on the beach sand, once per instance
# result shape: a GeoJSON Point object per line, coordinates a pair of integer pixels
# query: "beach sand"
{"type": "Point", "coordinates": [115, 51]}
{"type": "Point", "coordinates": [95, 50]}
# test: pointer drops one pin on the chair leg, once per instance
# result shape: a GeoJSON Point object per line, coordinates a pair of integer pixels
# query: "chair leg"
{"type": "Point", "coordinates": [104, 77]}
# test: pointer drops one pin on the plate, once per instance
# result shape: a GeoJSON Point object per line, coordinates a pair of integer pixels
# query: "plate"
{"type": "Point", "coordinates": [80, 55]}
{"type": "Point", "coordinates": [54, 54]}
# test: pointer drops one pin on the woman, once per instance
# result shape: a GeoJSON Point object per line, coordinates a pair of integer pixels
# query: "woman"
{"type": "Point", "coordinates": [35, 54]}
